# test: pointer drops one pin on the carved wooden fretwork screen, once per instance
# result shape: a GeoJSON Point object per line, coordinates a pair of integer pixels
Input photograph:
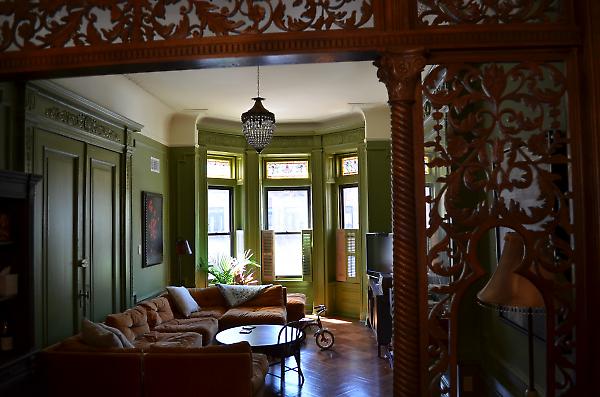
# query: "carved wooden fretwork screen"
{"type": "Point", "coordinates": [495, 133]}
{"type": "Point", "coordinates": [58, 24]}
{"type": "Point", "coordinates": [498, 141]}
{"type": "Point", "coordinates": [436, 12]}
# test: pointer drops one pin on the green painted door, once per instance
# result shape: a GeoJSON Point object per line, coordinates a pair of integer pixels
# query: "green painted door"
{"type": "Point", "coordinates": [60, 160]}
{"type": "Point", "coordinates": [102, 233]}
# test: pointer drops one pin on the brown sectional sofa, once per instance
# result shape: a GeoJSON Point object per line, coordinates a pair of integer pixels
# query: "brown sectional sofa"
{"type": "Point", "coordinates": [228, 370]}
{"type": "Point", "coordinates": [171, 354]}
{"type": "Point", "coordinates": [266, 308]}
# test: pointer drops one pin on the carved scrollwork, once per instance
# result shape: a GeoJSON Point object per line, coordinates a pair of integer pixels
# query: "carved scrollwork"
{"type": "Point", "coordinates": [399, 73]}
{"type": "Point", "coordinates": [451, 12]}
{"type": "Point", "coordinates": [499, 152]}
{"type": "Point", "coordinates": [83, 122]}
{"type": "Point", "coordinates": [52, 24]}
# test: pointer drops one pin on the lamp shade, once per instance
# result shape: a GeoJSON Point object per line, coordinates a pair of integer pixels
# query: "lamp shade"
{"type": "Point", "coordinates": [507, 290]}
{"type": "Point", "coordinates": [182, 247]}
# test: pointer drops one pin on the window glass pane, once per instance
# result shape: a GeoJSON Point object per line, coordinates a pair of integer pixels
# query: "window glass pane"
{"type": "Point", "coordinates": [287, 169]}
{"type": "Point", "coordinates": [287, 210]}
{"type": "Point", "coordinates": [350, 165]}
{"type": "Point", "coordinates": [219, 218]}
{"type": "Point", "coordinates": [350, 207]}
{"type": "Point", "coordinates": [219, 168]}
{"type": "Point", "coordinates": [288, 255]}
{"type": "Point", "coordinates": [218, 245]}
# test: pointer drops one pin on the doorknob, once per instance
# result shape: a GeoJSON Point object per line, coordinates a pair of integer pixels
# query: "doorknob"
{"type": "Point", "coordinates": [83, 263]}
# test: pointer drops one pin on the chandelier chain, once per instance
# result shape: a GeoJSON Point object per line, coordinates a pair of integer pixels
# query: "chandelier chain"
{"type": "Point", "coordinates": [258, 81]}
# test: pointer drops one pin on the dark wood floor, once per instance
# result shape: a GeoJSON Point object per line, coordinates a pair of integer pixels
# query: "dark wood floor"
{"type": "Point", "coordinates": [350, 368]}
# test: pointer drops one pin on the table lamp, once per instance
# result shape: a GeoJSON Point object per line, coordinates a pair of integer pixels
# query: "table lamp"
{"type": "Point", "coordinates": [182, 247]}
{"type": "Point", "coordinates": [509, 291]}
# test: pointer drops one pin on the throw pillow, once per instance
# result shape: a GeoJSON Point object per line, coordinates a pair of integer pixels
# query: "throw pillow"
{"type": "Point", "coordinates": [95, 335]}
{"type": "Point", "coordinates": [183, 300]}
{"type": "Point", "coordinates": [235, 295]}
{"type": "Point", "coordinates": [124, 341]}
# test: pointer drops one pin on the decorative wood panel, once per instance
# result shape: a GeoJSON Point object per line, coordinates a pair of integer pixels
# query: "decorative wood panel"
{"type": "Point", "coordinates": [451, 12]}
{"type": "Point", "coordinates": [58, 24]}
{"type": "Point", "coordinates": [501, 146]}
{"type": "Point", "coordinates": [268, 255]}
{"type": "Point", "coordinates": [307, 254]}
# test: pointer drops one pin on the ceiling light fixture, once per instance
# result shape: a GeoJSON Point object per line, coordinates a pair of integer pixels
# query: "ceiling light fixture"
{"type": "Point", "coordinates": [258, 123]}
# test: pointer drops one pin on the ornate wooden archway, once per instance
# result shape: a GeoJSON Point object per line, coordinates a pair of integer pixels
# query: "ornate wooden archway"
{"type": "Point", "coordinates": [473, 43]}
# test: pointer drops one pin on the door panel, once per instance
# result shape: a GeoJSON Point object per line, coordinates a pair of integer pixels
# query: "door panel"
{"type": "Point", "coordinates": [104, 251]}
{"type": "Point", "coordinates": [60, 161]}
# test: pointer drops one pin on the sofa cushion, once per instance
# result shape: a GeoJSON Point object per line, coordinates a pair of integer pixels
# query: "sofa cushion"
{"type": "Point", "coordinates": [183, 300]}
{"type": "Point", "coordinates": [214, 312]}
{"type": "Point", "coordinates": [132, 322]}
{"type": "Point", "coordinates": [187, 340]}
{"type": "Point", "coordinates": [208, 297]}
{"type": "Point", "coordinates": [244, 315]}
{"type": "Point", "coordinates": [236, 295]}
{"type": "Point", "coordinates": [122, 338]}
{"type": "Point", "coordinates": [207, 327]}
{"type": "Point", "coordinates": [181, 339]}
{"type": "Point", "coordinates": [295, 306]}
{"type": "Point", "coordinates": [95, 335]}
{"type": "Point", "coordinates": [260, 367]}
{"type": "Point", "coordinates": [159, 311]}
{"type": "Point", "coordinates": [75, 343]}
{"type": "Point", "coordinates": [272, 296]}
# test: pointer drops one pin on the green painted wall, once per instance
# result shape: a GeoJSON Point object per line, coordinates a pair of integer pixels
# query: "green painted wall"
{"type": "Point", "coordinates": [151, 280]}
{"type": "Point", "coordinates": [185, 210]}
{"type": "Point", "coordinates": [378, 186]}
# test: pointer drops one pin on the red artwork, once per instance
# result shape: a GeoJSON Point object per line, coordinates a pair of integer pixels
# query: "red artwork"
{"type": "Point", "coordinates": [152, 232]}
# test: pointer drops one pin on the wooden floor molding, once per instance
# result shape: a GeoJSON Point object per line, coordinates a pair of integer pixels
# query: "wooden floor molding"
{"type": "Point", "coordinates": [350, 369]}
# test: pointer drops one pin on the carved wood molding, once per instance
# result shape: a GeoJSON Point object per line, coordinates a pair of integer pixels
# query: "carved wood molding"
{"type": "Point", "coordinates": [58, 24]}
{"type": "Point", "coordinates": [218, 51]}
{"type": "Point", "coordinates": [401, 72]}
{"type": "Point", "coordinates": [83, 122]}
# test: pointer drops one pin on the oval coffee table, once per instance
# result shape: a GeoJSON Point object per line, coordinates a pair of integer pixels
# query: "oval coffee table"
{"type": "Point", "coordinates": [264, 338]}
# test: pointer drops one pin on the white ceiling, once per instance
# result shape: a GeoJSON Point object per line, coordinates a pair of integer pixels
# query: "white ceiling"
{"type": "Point", "coordinates": [295, 93]}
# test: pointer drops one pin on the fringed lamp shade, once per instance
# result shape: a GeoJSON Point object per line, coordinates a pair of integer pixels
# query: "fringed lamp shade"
{"type": "Point", "coordinates": [258, 125]}
{"type": "Point", "coordinates": [507, 290]}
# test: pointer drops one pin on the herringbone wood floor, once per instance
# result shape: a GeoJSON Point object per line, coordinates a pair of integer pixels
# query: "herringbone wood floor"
{"type": "Point", "coordinates": [350, 369]}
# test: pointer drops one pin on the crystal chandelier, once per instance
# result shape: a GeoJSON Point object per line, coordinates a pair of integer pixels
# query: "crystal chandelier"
{"type": "Point", "coordinates": [258, 123]}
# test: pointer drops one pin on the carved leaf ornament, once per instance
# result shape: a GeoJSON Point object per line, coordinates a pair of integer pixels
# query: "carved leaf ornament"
{"type": "Point", "coordinates": [451, 12]}
{"type": "Point", "coordinates": [500, 150]}
{"type": "Point", "coordinates": [51, 23]}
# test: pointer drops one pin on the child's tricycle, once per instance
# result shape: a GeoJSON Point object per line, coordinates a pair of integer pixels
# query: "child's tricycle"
{"type": "Point", "coordinates": [323, 336]}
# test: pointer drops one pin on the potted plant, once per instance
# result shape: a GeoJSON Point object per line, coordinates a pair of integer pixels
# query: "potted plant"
{"type": "Point", "coordinates": [226, 269]}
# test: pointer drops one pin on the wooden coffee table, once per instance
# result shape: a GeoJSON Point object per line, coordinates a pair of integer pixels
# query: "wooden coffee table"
{"type": "Point", "coordinates": [263, 338]}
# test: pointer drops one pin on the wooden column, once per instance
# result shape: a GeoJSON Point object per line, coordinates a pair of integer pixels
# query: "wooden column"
{"type": "Point", "coordinates": [400, 72]}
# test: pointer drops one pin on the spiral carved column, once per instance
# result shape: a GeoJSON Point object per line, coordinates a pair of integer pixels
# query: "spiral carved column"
{"type": "Point", "coordinates": [400, 72]}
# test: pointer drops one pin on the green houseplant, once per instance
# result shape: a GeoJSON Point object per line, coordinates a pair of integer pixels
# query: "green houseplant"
{"type": "Point", "coordinates": [226, 269]}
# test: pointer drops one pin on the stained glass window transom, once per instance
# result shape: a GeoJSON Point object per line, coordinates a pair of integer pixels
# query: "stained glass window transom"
{"type": "Point", "coordinates": [219, 168]}
{"type": "Point", "coordinates": [350, 165]}
{"type": "Point", "coordinates": [289, 169]}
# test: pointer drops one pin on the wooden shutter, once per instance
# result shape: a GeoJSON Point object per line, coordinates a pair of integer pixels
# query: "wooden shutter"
{"type": "Point", "coordinates": [268, 255]}
{"type": "Point", "coordinates": [340, 255]}
{"type": "Point", "coordinates": [346, 254]}
{"type": "Point", "coordinates": [307, 255]}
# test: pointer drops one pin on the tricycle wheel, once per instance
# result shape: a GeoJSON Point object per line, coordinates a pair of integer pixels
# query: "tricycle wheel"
{"type": "Point", "coordinates": [324, 339]}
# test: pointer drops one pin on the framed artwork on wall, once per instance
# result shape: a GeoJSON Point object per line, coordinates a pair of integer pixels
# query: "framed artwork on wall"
{"type": "Point", "coordinates": [152, 228]}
